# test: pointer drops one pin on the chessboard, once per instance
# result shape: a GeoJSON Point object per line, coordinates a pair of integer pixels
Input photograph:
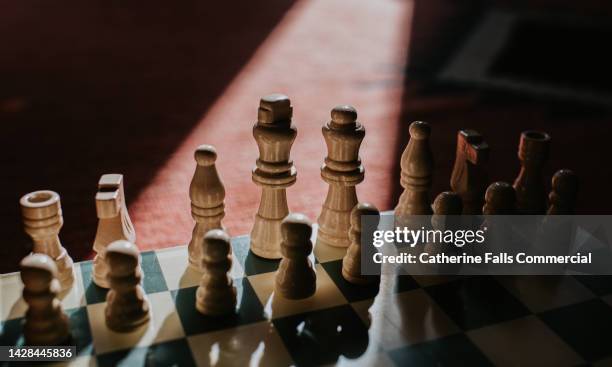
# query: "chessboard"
{"type": "Point", "coordinates": [403, 320]}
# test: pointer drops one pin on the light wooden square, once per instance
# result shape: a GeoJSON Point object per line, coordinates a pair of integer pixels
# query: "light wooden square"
{"type": "Point", "coordinates": [250, 345]}
{"type": "Point", "coordinates": [174, 263]}
{"type": "Point", "coordinates": [417, 316]}
{"type": "Point", "coordinates": [381, 331]}
{"type": "Point", "coordinates": [164, 325]}
{"type": "Point", "coordinates": [275, 306]}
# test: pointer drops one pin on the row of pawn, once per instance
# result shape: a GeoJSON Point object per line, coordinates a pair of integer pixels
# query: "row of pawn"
{"type": "Point", "coordinates": [127, 307]}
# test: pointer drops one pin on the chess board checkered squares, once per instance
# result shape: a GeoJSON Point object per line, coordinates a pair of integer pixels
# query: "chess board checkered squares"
{"type": "Point", "coordinates": [253, 344]}
{"type": "Point", "coordinates": [153, 279]}
{"type": "Point", "coordinates": [253, 265]}
{"type": "Point", "coordinates": [171, 353]}
{"type": "Point", "coordinates": [164, 325]}
{"type": "Point", "coordinates": [248, 310]}
{"type": "Point", "coordinates": [475, 302]}
{"type": "Point", "coordinates": [174, 264]}
{"type": "Point", "coordinates": [452, 350]}
{"type": "Point", "coordinates": [526, 341]}
{"type": "Point", "coordinates": [601, 285]}
{"type": "Point", "coordinates": [322, 336]}
{"type": "Point", "coordinates": [544, 293]}
{"type": "Point", "coordinates": [326, 295]}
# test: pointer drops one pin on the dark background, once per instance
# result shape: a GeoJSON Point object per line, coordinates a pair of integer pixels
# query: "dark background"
{"type": "Point", "coordinates": [90, 87]}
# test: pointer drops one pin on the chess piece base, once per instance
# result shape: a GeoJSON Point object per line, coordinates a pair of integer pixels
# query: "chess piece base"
{"type": "Point", "coordinates": [266, 238]}
{"type": "Point", "coordinates": [100, 270]}
{"type": "Point", "coordinates": [47, 333]}
{"type": "Point", "coordinates": [220, 304]}
{"type": "Point", "coordinates": [125, 324]}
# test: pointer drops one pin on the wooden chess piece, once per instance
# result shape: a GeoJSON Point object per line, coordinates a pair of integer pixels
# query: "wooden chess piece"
{"type": "Point", "coordinates": [42, 220]}
{"type": "Point", "coordinates": [417, 169]}
{"type": "Point", "coordinates": [274, 172]}
{"type": "Point", "coordinates": [45, 322]}
{"type": "Point", "coordinates": [113, 223]}
{"type": "Point", "coordinates": [295, 278]}
{"type": "Point", "coordinates": [342, 170]}
{"type": "Point", "coordinates": [447, 209]}
{"type": "Point", "coordinates": [500, 199]}
{"type": "Point", "coordinates": [533, 152]}
{"type": "Point", "coordinates": [469, 177]}
{"type": "Point", "coordinates": [351, 263]}
{"type": "Point", "coordinates": [562, 197]}
{"type": "Point", "coordinates": [127, 307]}
{"type": "Point", "coordinates": [216, 294]}
{"type": "Point", "coordinates": [207, 194]}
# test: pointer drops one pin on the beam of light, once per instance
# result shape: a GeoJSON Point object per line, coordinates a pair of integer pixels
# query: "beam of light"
{"type": "Point", "coordinates": [322, 53]}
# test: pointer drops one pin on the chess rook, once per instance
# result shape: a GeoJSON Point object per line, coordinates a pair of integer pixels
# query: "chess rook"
{"type": "Point", "coordinates": [562, 197]}
{"type": "Point", "coordinates": [533, 152]}
{"type": "Point", "coordinates": [126, 305]}
{"type": "Point", "coordinates": [45, 322]}
{"type": "Point", "coordinates": [113, 223]}
{"type": "Point", "coordinates": [207, 194]}
{"type": "Point", "coordinates": [351, 263]}
{"type": "Point", "coordinates": [216, 294]}
{"type": "Point", "coordinates": [500, 199]}
{"type": "Point", "coordinates": [42, 220]}
{"type": "Point", "coordinates": [417, 169]}
{"type": "Point", "coordinates": [274, 172]}
{"type": "Point", "coordinates": [469, 177]}
{"type": "Point", "coordinates": [342, 170]}
{"type": "Point", "coordinates": [295, 278]}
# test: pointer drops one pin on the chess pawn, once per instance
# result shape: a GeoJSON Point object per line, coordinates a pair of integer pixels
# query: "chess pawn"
{"type": "Point", "coordinates": [447, 209]}
{"type": "Point", "coordinates": [557, 233]}
{"type": "Point", "coordinates": [469, 177]}
{"type": "Point", "coordinates": [342, 170]}
{"type": "Point", "coordinates": [207, 194]}
{"type": "Point", "coordinates": [295, 278]}
{"type": "Point", "coordinates": [113, 223]}
{"type": "Point", "coordinates": [274, 172]}
{"type": "Point", "coordinates": [351, 263]}
{"type": "Point", "coordinates": [500, 199]}
{"type": "Point", "coordinates": [529, 185]}
{"type": "Point", "coordinates": [45, 322]}
{"type": "Point", "coordinates": [562, 197]}
{"type": "Point", "coordinates": [216, 294]}
{"type": "Point", "coordinates": [126, 305]}
{"type": "Point", "coordinates": [42, 220]}
{"type": "Point", "coordinates": [417, 168]}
